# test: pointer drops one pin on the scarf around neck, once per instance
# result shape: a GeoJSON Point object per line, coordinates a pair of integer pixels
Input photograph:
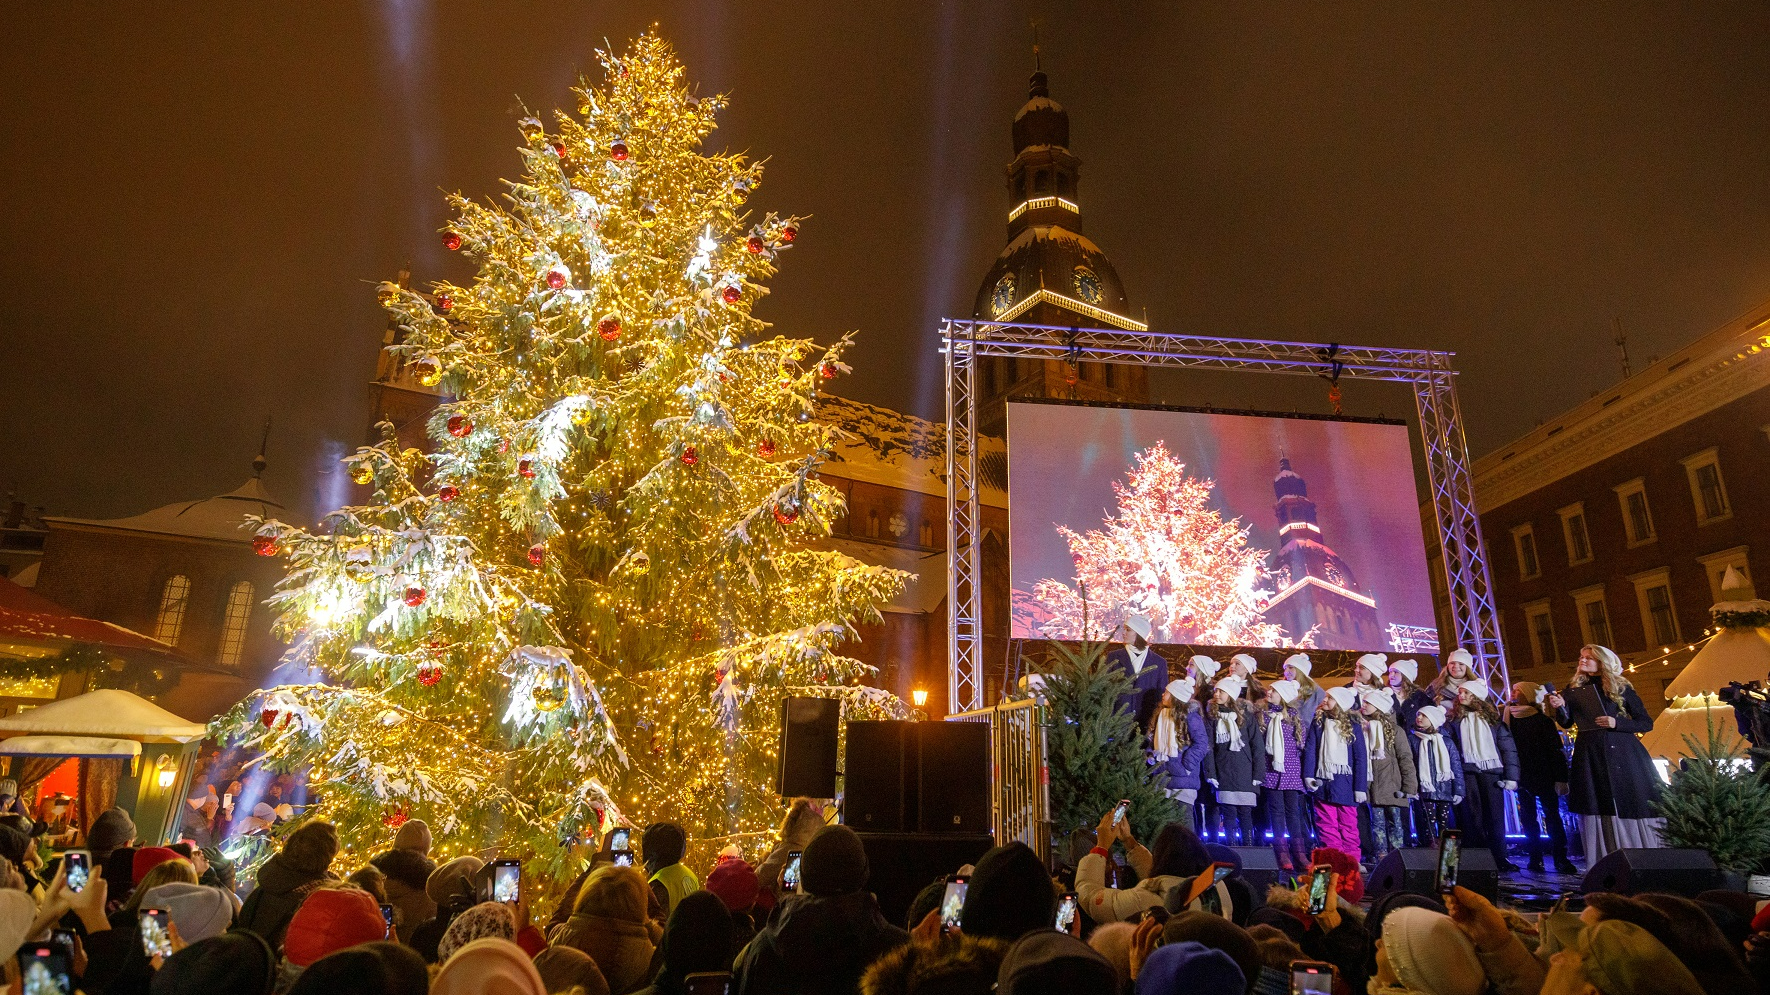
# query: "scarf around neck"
{"type": "Point", "coordinates": [1335, 759]}
{"type": "Point", "coordinates": [1167, 735]}
{"type": "Point", "coordinates": [1229, 729]}
{"type": "Point", "coordinates": [1479, 749]}
{"type": "Point", "coordinates": [1137, 657]}
{"type": "Point", "coordinates": [1435, 759]}
{"type": "Point", "coordinates": [1275, 742]}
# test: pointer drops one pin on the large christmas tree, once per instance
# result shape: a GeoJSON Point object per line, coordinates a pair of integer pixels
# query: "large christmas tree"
{"type": "Point", "coordinates": [1168, 556]}
{"type": "Point", "coordinates": [586, 605]}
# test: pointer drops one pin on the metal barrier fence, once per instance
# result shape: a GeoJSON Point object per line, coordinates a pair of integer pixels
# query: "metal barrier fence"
{"type": "Point", "coordinates": [1020, 781]}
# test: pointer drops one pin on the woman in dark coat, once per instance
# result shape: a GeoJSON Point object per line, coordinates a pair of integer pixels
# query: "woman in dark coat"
{"type": "Point", "coordinates": [1542, 774]}
{"type": "Point", "coordinates": [1236, 765]}
{"type": "Point", "coordinates": [1612, 783]}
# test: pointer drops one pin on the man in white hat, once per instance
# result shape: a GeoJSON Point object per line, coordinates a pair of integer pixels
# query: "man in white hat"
{"type": "Point", "coordinates": [1146, 669]}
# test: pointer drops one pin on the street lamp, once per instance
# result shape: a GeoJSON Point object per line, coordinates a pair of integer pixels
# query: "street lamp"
{"type": "Point", "coordinates": [165, 770]}
{"type": "Point", "coordinates": [920, 697]}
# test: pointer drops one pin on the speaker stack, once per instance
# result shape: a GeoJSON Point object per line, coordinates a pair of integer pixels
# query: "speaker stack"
{"type": "Point", "coordinates": [808, 748]}
{"type": "Point", "coordinates": [1630, 872]}
{"type": "Point", "coordinates": [917, 777]}
{"type": "Point", "coordinates": [1415, 869]}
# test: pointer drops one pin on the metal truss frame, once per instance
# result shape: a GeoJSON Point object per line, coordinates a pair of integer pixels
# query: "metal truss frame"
{"type": "Point", "coordinates": [1474, 611]}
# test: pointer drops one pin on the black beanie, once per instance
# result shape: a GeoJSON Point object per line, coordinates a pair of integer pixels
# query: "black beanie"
{"type": "Point", "coordinates": [1047, 962]}
{"type": "Point", "coordinates": [662, 844]}
{"type": "Point", "coordinates": [1217, 933]}
{"type": "Point", "coordinates": [379, 968]}
{"type": "Point", "coordinates": [834, 862]}
{"type": "Point", "coordinates": [1009, 896]}
{"type": "Point", "coordinates": [239, 963]}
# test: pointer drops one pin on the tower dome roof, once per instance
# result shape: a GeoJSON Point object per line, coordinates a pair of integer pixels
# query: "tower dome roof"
{"type": "Point", "coordinates": [1041, 120]}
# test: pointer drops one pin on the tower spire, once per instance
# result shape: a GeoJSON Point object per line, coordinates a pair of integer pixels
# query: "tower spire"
{"type": "Point", "coordinates": [1037, 66]}
{"type": "Point", "coordinates": [259, 462]}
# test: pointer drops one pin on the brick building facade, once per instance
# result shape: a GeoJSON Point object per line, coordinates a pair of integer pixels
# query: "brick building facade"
{"type": "Point", "coordinates": [1614, 522]}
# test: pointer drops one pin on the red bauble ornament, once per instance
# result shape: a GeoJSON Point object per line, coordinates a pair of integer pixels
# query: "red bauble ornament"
{"type": "Point", "coordinates": [448, 492]}
{"type": "Point", "coordinates": [394, 820]}
{"type": "Point", "coordinates": [525, 468]}
{"type": "Point", "coordinates": [732, 295]}
{"type": "Point", "coordinates": [429, 672]}
{"type": "Point", "coordinates": [690, 457]}
{"type": "Point", "coordinates": [827, 371]}
{"type": "Point", "coordinates": [415, 596]}
{"type": "Point", "coordinates": [556, 278]}
{"type": "Point", "coordinates": [537, 553]}
{"type": "Point", "coordinates": [451, 240]}
{"type": "Point", "coordinates": [264, 545]}
{"type": "Point", "coordinates": [609, 328]}
{"type": "Point", "coordinates": [460, 427]}
{"type": "Point", "coordinates": [754, 244]}
{"type": "Point", "coordinates": [765, 448]}
{"type": "Point", "coordinates": [618, 151]}
{"type": "Point", "coordinates": [789, 233]}
{"type": "Point", "coordinates": [268, 717]}
{"type": "Point", "coordinates": [559, 149]}
{"type": "Point", "coordinates": [444, 303]}
{"type": "Point", "coordinates": [786, 514]}
{"type": "Point", "coordinates": [503, 445]}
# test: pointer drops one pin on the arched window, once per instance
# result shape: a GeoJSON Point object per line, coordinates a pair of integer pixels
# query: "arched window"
{"type": "Point", "coordinates": [233, 623]}
{"type": "Point", "coordinates": [173, 599]}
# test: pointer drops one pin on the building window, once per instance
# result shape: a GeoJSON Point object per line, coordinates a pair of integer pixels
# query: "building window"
{"type": "Point", "coordinates": [1715, 565]}
{"type": "Point", "coordinates": [1594, 615]}
{"type": "Point", "coordinates": [233, 623]}
{"type": "Point", "coordinates": [1524, 540]}
{"type": "Point", "coordinates": [1637, 517]}
{"type": "Point", "coordinates": [1573, 529]}
{"type": "Point", "coordinates": [1706, 487]}
{"type": "Point", "coordinates": [1042, 182]}
{"type": "Point", "coordinates": [1541, 626]}
{"type": "Point", "coordinates": [174, 597]}
{"type": "Point", "coordinates": [1659, 615]}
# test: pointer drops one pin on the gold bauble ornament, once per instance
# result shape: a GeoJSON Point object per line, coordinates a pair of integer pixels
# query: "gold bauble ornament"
{"type": "Point", "coordinates": [428, 371]}
{"type": "Point", "coordinates": [362, 472]}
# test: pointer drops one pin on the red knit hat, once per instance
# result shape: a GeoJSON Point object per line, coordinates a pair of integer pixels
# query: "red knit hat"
{"type": "Point", "coordinates": [149, 857]}
{"type": "Point", "coordinates": [330, 920]}
{"type": "Point", "coordinates": [734, 881]}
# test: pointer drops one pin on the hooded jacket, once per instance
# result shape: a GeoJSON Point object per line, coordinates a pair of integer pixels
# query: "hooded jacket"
{"type": "Point", "coordinates": [816, 944]}
{"type": "Point", "coordinates": [285, 881]}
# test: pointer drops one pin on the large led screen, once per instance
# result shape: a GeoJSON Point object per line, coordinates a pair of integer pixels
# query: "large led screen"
{"type": "Point", "coordinates": [1222, 530]}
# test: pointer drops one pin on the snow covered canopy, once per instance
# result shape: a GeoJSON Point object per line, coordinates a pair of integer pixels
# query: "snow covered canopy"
{"type": "Point", "coordinates": [104, 713]}
{"type": "Point", "coordinates": [69, 746]}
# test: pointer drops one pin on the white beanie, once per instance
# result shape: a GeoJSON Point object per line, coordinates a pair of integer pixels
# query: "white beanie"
{"type": "Point", "coordinates": [1434, 714]}
{"type": "Point", "coordinates": [1409, 669]}
{"type": "Point", "coordinates": [1287, 690]}
{"type": "Point", "coordinates": [1477, 689]}
{"type": "Point", "coordinates": [1343, 696]}
{"type": "Point", "coordinates": [1181, 689]}
{"type": "Point", "coordinates": [1429, 954]}
{"type": "Point", "coordinates": [1375, 664]}
{"type": "Point", "coordinates": [1138, 624]}
{"type": "Point", "coordinates": [1380, 697]}
{"type": "Point", "coordinates": [1232, 686]}
{"type": "Point", "coordinates": [1248, 663]}
{"type": "Point", "coordinates": [1460, 655]}
{"type": "Point", "coordinates": [1299, 662]}
{"type": "Point", "coordinates": [1206, 667]}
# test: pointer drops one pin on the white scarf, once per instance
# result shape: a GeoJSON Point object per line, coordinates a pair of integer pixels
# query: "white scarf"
{"type": "Point", "coordinates": [1275, 742]}
{"type": "Point", "coordinates": [1137, 657]}
{"type": "Point", "coordinates": [1167, 737]}
{"type": "Point", "coordinates": [1229, 729]}
{"type": "Point", "coordinates": [1335, 757]}
{"type": "Point", "coordinates": [1373, 744]}
{"type": "Point", "coordinates": [1435, 757]}
{"type": "Point", "coordinates": [1479, 750]}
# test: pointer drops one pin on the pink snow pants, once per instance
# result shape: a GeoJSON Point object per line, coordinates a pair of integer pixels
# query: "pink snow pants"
{"type": "Point", "coordinates": [1338, 827]}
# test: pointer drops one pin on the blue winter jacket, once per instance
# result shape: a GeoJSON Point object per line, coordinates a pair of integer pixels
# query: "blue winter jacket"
{"type": "Point", "coordinates": [1337, 790]}
{"type": "Point", "coordinates": [1183, 770]}
{"type": "Point", "coordinates": [1456, 770]}
{"type": "Point", "coordinates": [1502, 741]}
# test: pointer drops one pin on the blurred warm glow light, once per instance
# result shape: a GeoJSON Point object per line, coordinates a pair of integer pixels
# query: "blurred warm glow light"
{"type": "Point", "coordinates": [919, 696]}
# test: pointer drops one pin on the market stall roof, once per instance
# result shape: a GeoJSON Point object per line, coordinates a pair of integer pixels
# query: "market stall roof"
{"type": "Point", "coordinates": [220, 517]}
{"type": "Point", "coordinates": [69, 746]}
{"type": "Point", "coordinates": [36, 626]}
{"type": "Point", "coordinates": [106, 712]}
{"type": "Point", "coordinates": [1736, 653]}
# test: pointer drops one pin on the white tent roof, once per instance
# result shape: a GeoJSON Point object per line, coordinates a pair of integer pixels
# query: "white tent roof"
{"type": "Point", "coordinates": [1734, 654]}
{"type": "Point", "coordinates": [69, 746]}
{"type": "Point", "coordinates": [1691, 717]}
{"type": "Point", "coordinates": [107, 712]}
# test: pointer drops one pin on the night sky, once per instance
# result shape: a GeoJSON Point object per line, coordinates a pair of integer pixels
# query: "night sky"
{"type": "Point", "coordinates": [199, 198]}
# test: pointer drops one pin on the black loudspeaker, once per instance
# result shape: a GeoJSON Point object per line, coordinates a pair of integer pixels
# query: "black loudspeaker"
{"type": "Point", "coordinates": [1415, 869]}
{"type": "Point", "coordinates": [900, 865]}
{"type": "Point", "coordinates": [1259, 868]}
{"type": "Point", "coordinates": [808, 748]}
{"type": "Point", "coordinates": [873, 783]}
{"type": "Point", "coordinates": [1629, 872]}
{"type": "Point", "coordinates": [953, 772]}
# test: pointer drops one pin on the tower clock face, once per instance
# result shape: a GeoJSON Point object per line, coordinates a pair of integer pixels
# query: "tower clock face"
{"type": "Point", "coordinates": [1087, 285]}
{"type": "Point", "coordinates": [1002, 298]}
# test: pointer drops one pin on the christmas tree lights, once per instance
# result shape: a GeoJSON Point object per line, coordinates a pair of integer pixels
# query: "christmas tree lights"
{"type": "Point", "coordinates": [585, 606]}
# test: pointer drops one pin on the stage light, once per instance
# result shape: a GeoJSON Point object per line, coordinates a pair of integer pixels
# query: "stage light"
{"type": "Point", "coordinates": [920, 697]}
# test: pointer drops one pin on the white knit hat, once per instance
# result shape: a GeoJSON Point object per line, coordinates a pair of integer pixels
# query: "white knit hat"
{"type": "Point", "coordinates": [1479, 690]}
{"type": "Point", "coordinates": [1343, 696]}
{"type": "Point", "coordinates": [1428, 953]}
{"type": "Point", "coordinates": [1434, 714]}
{"type": "Point", "coordinates": [1379, 697]}
{"type": "Point", "coordinates": [1410, 669]}
{"type": "Point", "coordinates": [1232, 686]}
{"type": "Point", "coordinates": [1248, 663]}
{"type": "Point", "coordinates": [1375, 664]}
{"type": "Point", "coordinates": [1460, 655]}
{"type": "Point", "coordinates": [1299, 662]}
{"type": "Point", "coordinates": [1206, 667]}
{"type": "Point", "coordinates": [1181, 689]}
{"type": "Point", "coordinates": [1287, 690]}
{"type": "Point", "coordinates": [1138, 624]}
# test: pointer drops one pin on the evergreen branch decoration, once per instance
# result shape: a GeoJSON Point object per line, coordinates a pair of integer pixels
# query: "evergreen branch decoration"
{"type": "Point", "coordinates": [1717, 803]}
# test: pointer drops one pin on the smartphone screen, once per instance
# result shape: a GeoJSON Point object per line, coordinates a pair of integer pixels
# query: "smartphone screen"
{"type": "Point", "coordinates": [506, 880]}
{"type": "Point", "coordinates": [790, 873]}
{"type": "Point", "coordinates": [1450, 858]}
{"type": "Point", "coordinates": [155, 940]}
{"type": "Point", "coordinates": [1066, 912]}
{"type": "Point", "coordinates": [623, 858]}
{"type": "Point", "coordinates": [46, 969]}
{"type": "Point", "coordinates": [1311, 977]}
{"type": "Point", "coordinates": [953, 902]}
{"type": "Point", "coordinates": [79, 865]}
{"type": "Point", "coordinates": [387, 918]}
{"type": "Point", "coordinates": [1118, 814]}
{"type": "Point", "coordinates": [620, 839]}
{"type": "Point", "coordinates": [1221, 871]}
{"type": "Point", "coordinates": [1318, 889]}
{"type": "Point", "coordinates": [707, 983]}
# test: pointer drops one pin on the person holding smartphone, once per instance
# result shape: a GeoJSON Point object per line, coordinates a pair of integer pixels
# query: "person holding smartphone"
{"type": "Point", "coordinates": [1177, 857]}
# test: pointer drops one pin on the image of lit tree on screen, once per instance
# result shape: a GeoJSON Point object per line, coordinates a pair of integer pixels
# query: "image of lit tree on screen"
{"type": "Point", "coordinates": [1167, 555]}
